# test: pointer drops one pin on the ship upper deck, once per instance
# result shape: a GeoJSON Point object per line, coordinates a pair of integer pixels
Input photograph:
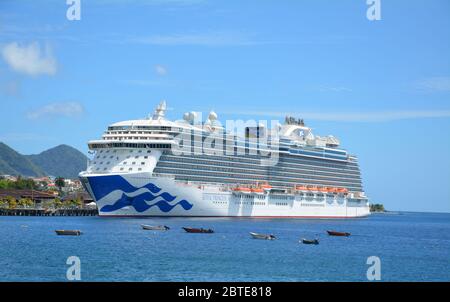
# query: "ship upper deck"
{"type": "Point", "coordinates": [293, 136]}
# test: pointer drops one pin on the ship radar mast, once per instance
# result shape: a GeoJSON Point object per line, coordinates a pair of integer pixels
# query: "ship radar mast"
{"type": "Point", "coordinates": [160, 111]}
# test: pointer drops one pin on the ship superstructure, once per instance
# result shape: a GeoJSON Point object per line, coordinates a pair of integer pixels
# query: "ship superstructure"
{"type": "Point", "coordinates": [189, 167]}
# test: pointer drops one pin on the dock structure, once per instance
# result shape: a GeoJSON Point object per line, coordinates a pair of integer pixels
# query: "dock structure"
{"type": "Point", "coordinates": [48, 212]}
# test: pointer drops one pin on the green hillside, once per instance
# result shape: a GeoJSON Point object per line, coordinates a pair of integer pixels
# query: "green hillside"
{"type": "Point", "coordinates": [62, 160]}
{"type": "Point", "coordinates": [14, 163]}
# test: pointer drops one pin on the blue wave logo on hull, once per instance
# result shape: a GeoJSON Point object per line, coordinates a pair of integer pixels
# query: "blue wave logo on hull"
{"type": "Point", "coordinates": [139, 203]}
{"type": "Point", "coordinates": [103, 185]}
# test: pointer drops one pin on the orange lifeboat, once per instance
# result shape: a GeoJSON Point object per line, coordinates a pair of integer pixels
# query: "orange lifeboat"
{"type": "Point", "coordinates": [323, 189]}
{"type": "Point", "coordinates": [257, 190]}
{"type": "Point", "coordinates": [342, 190]}
{"type": "Point", "coordinates": [265, 186]}
{"type": "Point", "coordinates": [330, 190]}
{"type": "Point", "coordinates": [242, 189]}
{"type": "Point", "coordinates": [301, 188]}
{"type": "Point", "coordinates": [312, 188]}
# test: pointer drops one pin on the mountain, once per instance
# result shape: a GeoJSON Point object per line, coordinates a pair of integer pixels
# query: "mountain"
{"type": "Point", "coordinates": [14, 163]}
{"type": "Point", "coordinates": [61, 160]}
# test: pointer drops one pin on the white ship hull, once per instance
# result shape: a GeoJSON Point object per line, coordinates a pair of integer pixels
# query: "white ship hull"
{"type": "Point", "coordinates": [141, 194]}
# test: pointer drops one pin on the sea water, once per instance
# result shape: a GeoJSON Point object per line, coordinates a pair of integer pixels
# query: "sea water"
{"type": "Point", "coordinates": [410, 246]}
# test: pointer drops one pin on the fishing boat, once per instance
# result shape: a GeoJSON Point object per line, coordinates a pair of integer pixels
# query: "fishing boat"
{"type": "Point", "coordinates": [334, 233]}
{"type": "Point", "coordinates": [198, 230]}
{"type": "Point", "coordinates": [310, 241]}
{"type": "Point", "coordinates": [68, 232]}
{"type": "Point", "coordinates": [155, 228]}
{"type": "Point", "coordinates": [262, 236]}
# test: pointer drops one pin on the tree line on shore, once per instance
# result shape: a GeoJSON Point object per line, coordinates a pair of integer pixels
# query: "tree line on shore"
{"type": "Point", "coordinates": [377, 207]}
{"type": "Point", "coordinates": [9, 202]}
{"type": "Point", "coordinates": [21, 183]}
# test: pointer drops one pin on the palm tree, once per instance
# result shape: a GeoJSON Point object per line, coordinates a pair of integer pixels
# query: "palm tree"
{"type": "Point", "coordinates": [59, 182]}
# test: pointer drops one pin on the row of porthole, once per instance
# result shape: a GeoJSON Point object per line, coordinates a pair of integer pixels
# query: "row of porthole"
{"type": "Point", "coordinates": [256, 203]}
{"type": "Point", "coordinates": [121, 169]}
{"type": "Point", "coordinates": [124, 163]}
{"type": "Point", "coordinates": [136, 157]}
{"type": "Point", "coordinates": [131, 151]}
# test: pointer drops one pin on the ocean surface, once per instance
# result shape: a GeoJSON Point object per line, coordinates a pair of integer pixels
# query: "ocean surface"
{"type": "Point", "coordinates": [410, 246]}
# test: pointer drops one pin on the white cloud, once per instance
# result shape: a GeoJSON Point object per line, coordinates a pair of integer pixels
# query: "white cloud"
{"type": "Point", "coordinates": [200, 39]}
{"type": "Point", "coordinates": [152, 2]}
{"type": "Point", "coordinates": [29, 59]}
{"type": "Point", "coordinates": [62, 109]}
{"type": "Point", "coordinates": [435, 84]}
{"type": "Point", "coordinates": [382, 116]}
{"type": "Point", "coordinates": [160, 70]}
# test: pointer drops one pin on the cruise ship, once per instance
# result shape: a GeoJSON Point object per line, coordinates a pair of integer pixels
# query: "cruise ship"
{"type": "Point", "coordinates": [194, 167]}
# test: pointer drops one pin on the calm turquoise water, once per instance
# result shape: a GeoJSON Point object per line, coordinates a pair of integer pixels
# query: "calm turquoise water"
{"type": "Point", "coordinates": [411, 246]}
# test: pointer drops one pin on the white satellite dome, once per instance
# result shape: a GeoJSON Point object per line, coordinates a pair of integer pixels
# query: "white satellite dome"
{"type": "Point", "coordinates": [212, 116]}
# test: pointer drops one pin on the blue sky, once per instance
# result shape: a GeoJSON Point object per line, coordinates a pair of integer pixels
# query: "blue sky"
{"type": "Point", "coordinates": [382, 87]}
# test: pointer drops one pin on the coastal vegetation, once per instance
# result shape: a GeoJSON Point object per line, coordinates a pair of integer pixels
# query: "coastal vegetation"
{"type": "Point", "coordinates": [9, 202]}
{"type": "Point", "coordinates": [26, 193]}
{"type": "Point", "coordinates": [377, 207]}
{"type": "Point", "coordinates": [19, 184]}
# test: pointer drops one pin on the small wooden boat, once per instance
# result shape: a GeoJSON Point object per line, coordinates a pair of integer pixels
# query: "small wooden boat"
{"type": "Point", "coordinates": [334, 233]}
{"type": "Point", "coordinates": [198, 230]}
{"type": "Point", "coordinates": [310, 241]}
{"type": "Point", "coordinates": [262, 236]}
{"type": "Point", "coordinates": [68, 232]}
{"type": "Point", "coordinates": [155, 228]}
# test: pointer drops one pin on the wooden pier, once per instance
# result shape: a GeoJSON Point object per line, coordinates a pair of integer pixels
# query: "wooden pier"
{"type": "Point", "coordinates": [48, 212]}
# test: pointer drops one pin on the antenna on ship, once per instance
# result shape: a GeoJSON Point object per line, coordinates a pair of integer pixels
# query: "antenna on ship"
{"type": "Point", "coordinates": [160, 111]}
